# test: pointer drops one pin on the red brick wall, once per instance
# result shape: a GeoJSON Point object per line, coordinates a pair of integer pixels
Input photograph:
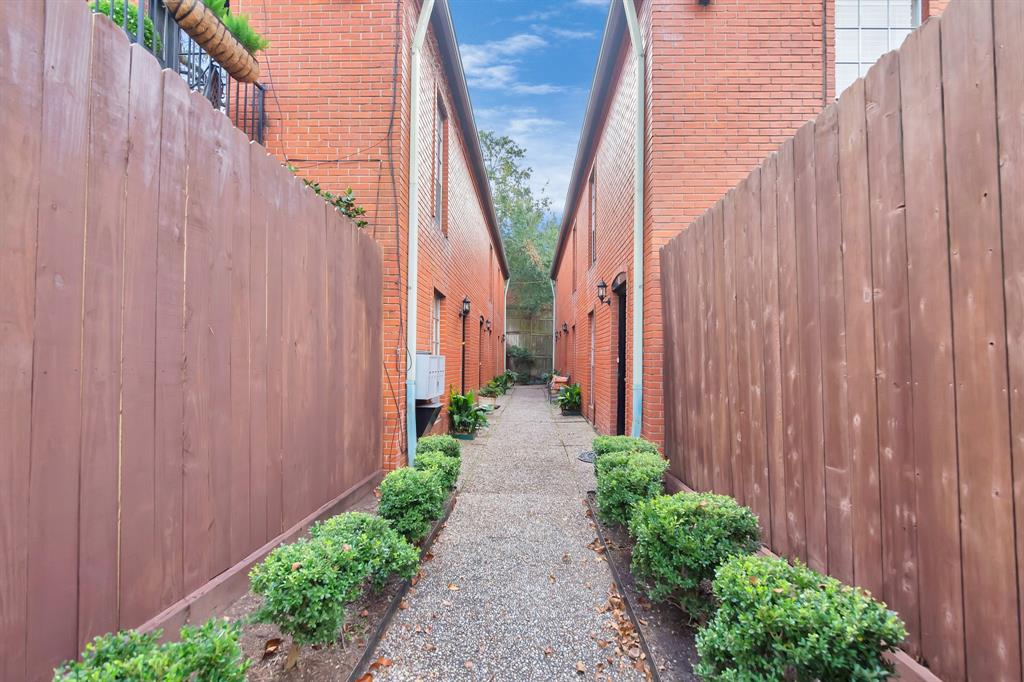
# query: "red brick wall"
{"type": "Point", "coordinates": [726, 84]}
{"type": "Point", "coordinates": [332, 87]}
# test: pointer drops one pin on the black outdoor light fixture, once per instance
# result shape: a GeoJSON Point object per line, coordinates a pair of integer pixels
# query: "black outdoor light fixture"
{"type": "Point", "coordinates": [565, 328]}
{"type": "Point", "coordinates": [464, 313]}
{"type": "Point", "coordinates": [488, 326]}
{"type": "Point", "coordinates": [602, 293]}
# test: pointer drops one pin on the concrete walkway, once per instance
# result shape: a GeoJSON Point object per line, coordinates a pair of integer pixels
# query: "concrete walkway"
{"type": "Point", "coordinates": [513, 592]}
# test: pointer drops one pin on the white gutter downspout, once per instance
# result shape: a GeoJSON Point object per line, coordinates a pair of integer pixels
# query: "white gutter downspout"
{"type": "Point", "coordinates": [412, 274]}
{"type": "Point", "coordinates": [504, 322]}
{"type": "Point", "coordinates": [638, 215]}
{"type": "Point", "coordinates": [554, 322]}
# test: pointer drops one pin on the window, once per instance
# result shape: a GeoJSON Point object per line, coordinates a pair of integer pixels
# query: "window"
{"type": "Point", "coordinates": [435, 325]}
{"type": "Point", "coordinates": [593, 217]}
{"type": "Point", "coordinates": [441, 168]}
{"type": "Point", "coordinates": [867, 29]}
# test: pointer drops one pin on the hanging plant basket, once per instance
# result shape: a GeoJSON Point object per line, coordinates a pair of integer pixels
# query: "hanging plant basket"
{"type": "Point", "coordinates": [203, 26]}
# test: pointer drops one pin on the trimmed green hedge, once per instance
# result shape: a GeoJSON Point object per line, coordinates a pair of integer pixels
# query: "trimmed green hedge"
{"type": "Point", "coordinates": [604, 445]}
{"type": "Point", "coordinates": [783, 622]}
{"type": "Point", "coordinates": [447, 468]}
{"type": "Point", "coordinates": [682, 539]}
{"type": "Point", "coordinates": [378, 551]}
{"type": "Point", "coordinates": [411, 499]}
{"type": "Point", "coordinates": [440, 443]}
{"type": "Point", "coordinates": [625, 479]}
{"type": "Point", "coordinates": [209, 652]}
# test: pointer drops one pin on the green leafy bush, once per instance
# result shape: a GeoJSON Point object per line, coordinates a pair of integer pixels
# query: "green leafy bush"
{"type": "Point", "coordinates": [411, 499]}
{"type": "Point", "coordinates": [344, 203]}
{"type": "Point", "coordinates": [490, 391]}
{"type": "Point", "coordinates": [605, 444]}
{"type": "Point", "coordinates": [466, 416]}
{"type": "Point", "coordinates": [378, 551]}
{"type": "Point", "coordinates": [682, 539]}
{"type": "Point", "coordinates": [570, 398]}
{"type": "Point", "coordinates": [103, 7]}
{"type": "Point", "coordinates": [206, 653]}
{"type": "Point", "coordinates": [446, 444]}
{"type": "Point", "coordinates": [305, 586]}
{"type": "Point", "coordinates": [626, 478]}
{"type": "Point", "coordinates": [782, 622]}
{"type": "Point", "coordinates": [446, 468]}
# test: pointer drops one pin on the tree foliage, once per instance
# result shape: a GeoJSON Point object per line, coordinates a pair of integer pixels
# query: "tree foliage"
{"type": "Point", "coordinates": [529, 230]}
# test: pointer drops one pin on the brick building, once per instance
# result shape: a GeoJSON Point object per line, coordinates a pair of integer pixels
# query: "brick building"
{"type": "Point", "coordinates": [339, 108]}
{"type": "Point", "coordinates": [723, 82]}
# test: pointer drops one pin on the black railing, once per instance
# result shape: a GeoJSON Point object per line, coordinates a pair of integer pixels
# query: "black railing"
{"type": "Point", "coordinates": [175, 49]}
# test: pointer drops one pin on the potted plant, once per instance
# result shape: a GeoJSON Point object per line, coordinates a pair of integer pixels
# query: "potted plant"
{"type": "Point", "coordinates": [465, 415]}
{"type": "Point", "coordinates": [226, 37]}
{"type": "Point", "coordinates": [570, 399]}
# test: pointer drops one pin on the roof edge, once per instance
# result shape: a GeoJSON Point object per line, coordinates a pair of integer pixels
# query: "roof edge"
{"type": "Point", "coordinates": [449, 48]}
{"type": "Point", "coordinates": [607, 58]}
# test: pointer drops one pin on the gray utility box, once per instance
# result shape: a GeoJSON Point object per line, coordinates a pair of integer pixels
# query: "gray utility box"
{"type": "Point", "coordinates": [429, 376]}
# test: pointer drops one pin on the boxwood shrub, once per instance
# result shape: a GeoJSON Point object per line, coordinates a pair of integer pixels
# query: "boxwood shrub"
{"type": "Point", "coordinates": [626, 478]}
{"type": "Point", "coordinates": [783, 622]}
{"type": "Point", "coordinates": [447, 468]}
{"type": "Point", "coordinates": [305, 587]}
{"type": "Point", "coordinates": [606, 444]}
{"type": "Point", "coordinates": [439, 443]}
{"type": "Point", "coordinates": [209, 652]}
{"type": "Point", "coordinates": [682, 539]}
{"type": "Point", "coordinates": [411, 499]}
{"type": "Point", "coordinates": [378, 551]}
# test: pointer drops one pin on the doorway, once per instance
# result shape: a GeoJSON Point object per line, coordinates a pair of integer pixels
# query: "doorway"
{"type": "Point", "coordinates": [619, 289]}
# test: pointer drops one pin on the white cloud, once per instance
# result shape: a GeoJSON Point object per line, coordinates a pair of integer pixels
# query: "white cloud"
{"type": "Point", "coordinates": [493, 65]}
{"type": "Point", "coordinates": [593, 3]}
{"type": "Point", "coordinates": [570, 34]}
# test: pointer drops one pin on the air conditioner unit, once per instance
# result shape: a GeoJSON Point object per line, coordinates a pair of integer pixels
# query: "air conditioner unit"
{"type": "Point", "coordinates": [429, 376]}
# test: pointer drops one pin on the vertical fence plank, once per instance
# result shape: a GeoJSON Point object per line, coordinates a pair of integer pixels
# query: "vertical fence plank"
{"type": "Point", "coordinates": [838, 517]}
{"type": "Point", "coordinates": [262, 195]}
{"type": "Point", "coordinates": [101, 329]}
{"type": "Point", "coordinates": [979, 337]}
{"type": "Point", "coordinates": [1008, 20]}
{"type": "Point", "coordinates": [205, 180]}
{"type": "Point", "coordinates": [772, 354]}
{"type": "Point", "coordinates": [703, 353]}
{"type": "Point", "coordinates": [139, 568]}
{"type": "Point", "coordinates": [892, 341]}
{"type": "Point", "coordinates": [52, 626]}
{"type": "Point", "coordinates": [276, 349]}
{"type": "Point", "coordinates": [722, 446]}
{"type": "Point", "coordinates": [931, 351]}
{"type": "Point", "coordinates": [862, 419]}
{"type": "Point", "coordinates": [811, 436]}
{"type": "Point", "coordinates": [741, 273]}
{"type": "Point", "coordinates": [713, 472]}
{"type": "Point", "coordinates": [21, 92]}
{"type": "Point", "coordinates": [731, 346]}
{"type": "Point", "coordinates": [685, 362]}
{"type": "Point", "coordinates": [789, 332]}
{"type": "Point", "coordinates": [240, 227]}
{"type": "Point", "coordinates": [170, 336]}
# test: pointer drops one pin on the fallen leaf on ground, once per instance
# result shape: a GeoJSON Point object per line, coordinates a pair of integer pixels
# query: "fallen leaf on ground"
{"type": "Point", "coordinates": [429, 647]}
{"type": "Point", "coordinates": [453, 587]}
{"type": "Point", "coordinates": [566, 559]}
{"type": "Point", "coordinates": [271, 647]}
{"type": "Point", "coordinates": [404, 604]}
{"type": "Point", "coordinates": [368, 677]}
{"type": "Point", "coordinates": [293, 657]}
{"type": "Point", "coordinates": [381, 663]}
{"type": "Point", "coordinates": [551, 578]}
{"type": "Point", "coordinates": [580, 668]}
{"type": "Point", "coordinates": [364, 613]}
{"type": "Point", "coordinates": [470, 665]}
{"type": "Point", "coordinates": [548, 651]}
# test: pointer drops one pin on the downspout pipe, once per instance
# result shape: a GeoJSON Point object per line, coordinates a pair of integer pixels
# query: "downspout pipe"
{"type": "Point", "coordinates": [640, 62]}
{"type": "Point", "coordinates": [412, 272]}
{"type": "Point", "coordinates": [504, 324]}
{"type": "Point", "coordinates": [554, 317]}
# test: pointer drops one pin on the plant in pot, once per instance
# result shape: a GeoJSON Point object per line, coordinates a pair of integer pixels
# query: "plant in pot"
{"type": "Point", "coordinates": [570, 399]}
{"type": "Point", "coordinates": [465, 415]}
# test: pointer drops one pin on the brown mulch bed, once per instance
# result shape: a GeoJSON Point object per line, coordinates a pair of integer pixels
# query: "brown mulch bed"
{"type": "Point", "coordinates": [267, 649]}
{"type": "Point", "coordinates": [665, 627]}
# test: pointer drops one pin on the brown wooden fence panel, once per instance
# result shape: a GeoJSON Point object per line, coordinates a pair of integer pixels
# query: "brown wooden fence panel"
{"type": "Point", "coordinates": [864, 309]}
{"type": "Point", "coordinates": [190, 344]}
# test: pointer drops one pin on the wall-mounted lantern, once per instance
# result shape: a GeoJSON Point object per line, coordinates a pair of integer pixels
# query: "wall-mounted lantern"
{"type": "Point", "coordinates": [465, 307]}
{"type": "Point", "coordinates": [565, 328]}
{"type": "Point", "coordinates": [602, 293]}
{"type": "Point", "coordinates": [488, 326]}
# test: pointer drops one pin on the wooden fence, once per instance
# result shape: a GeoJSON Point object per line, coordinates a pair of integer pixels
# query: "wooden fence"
{"type": "Point", "coordinates": [189, 343]}
{"type": "Point", "coordinates": [845, 340]}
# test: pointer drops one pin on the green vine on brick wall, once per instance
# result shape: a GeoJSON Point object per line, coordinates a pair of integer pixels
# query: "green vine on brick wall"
{"type": "Point", "coordinates": [344, 203]}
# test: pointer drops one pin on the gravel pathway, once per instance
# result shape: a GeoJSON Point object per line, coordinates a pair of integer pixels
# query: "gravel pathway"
{"type": "Point", "coordinates": [513, 592]}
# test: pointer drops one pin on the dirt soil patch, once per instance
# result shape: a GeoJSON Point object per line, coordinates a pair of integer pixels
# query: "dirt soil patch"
{"type": "Point", "coordinates": [665, 627]}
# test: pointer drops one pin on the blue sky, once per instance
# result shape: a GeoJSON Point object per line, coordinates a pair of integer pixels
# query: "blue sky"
{"type": "Point", "coordinates": [529, 65]}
